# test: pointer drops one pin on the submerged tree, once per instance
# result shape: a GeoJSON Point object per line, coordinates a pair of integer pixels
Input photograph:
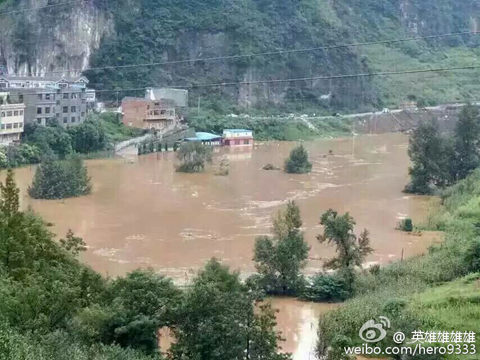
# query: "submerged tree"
{"type": "Point", "coordinates": [281, 257]}
{"type": "Point", "coordinates": [193, 156]}
{"type": "Point", "coordinates": [297, 162]}
{"type": "Point", "coordinates": [351, 250]}
{"type": "Point", "coordinates": [58, 179]}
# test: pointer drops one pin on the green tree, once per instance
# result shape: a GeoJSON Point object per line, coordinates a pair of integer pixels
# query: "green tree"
{"type": "Point", "coordinates": [137, 305]}
{"type": "Point", "coordinates": [280, 258]}
{"type": "Point", "coordinates": [193, 156]}
{"type": "Point", "coordinates": [73, 244]}
{"type": "Point", "coordinates": [351, 250]}
{"type": "Point", "coordinates": [58, 179]}
{"type": "Point", "coordinates": [9, 200]}
{"type": "Point", "coordinates": [430, 156]}
{"type": "Point", "coordinates": [217, 321]}
{"type": "Point", "coordinates": [297, 162]}
{"type": "Point", "coordinates": [466, 143]}
{"type": "Point", "coordinates": [88, 137]}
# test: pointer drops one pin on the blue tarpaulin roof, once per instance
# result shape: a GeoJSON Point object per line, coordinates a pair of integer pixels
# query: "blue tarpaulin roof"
{"type": "Point", "coordinates": [204, 136]}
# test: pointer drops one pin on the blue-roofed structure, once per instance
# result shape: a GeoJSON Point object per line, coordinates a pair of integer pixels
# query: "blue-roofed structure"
{"type": "Point", "coordinates": [206, 138]}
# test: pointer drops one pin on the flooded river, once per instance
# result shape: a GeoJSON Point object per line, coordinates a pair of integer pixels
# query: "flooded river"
{"type": "Point", "coordinates": [142, 213]}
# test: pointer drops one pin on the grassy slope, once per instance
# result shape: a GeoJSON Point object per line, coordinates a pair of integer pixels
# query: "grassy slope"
{"type": "Point", "coordinates": [273, 127]}
{"type": "Point", "coordinates": [416, 294]}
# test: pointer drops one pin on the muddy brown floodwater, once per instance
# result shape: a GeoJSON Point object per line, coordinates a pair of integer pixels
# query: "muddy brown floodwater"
{"type": "Point", "coordinates": [142, 213]}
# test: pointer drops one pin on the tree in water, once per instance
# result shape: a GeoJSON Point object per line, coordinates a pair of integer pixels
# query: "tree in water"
{"type": "Point", "coordinates": [217, 320]}
{"type": "Point", "coordinates": [297, 162]}
{"type": "Point", "coordinates": [430, 155]}
{"type": "Point", "coordinates": [466, 143]}
{"type": "Point", "coordinates": [280, 258]}
{"type": "Point", "coordinates": [55, 179]}
{"type": "Point", "coordinates": [351, 250]}
{"type": "Point", "coordinates": [193, 156]}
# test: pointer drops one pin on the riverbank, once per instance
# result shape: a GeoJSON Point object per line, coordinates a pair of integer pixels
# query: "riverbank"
{"type": "Point", "coordinates": [436, 291]}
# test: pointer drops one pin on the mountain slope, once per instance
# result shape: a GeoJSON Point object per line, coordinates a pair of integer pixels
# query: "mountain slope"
{"type": "Point", "coordinates": [146, 31]}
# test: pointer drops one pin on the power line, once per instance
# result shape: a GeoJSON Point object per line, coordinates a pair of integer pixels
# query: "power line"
{"type": "Point", "coordinates": [330, 77]}
{"type": "Point", "coordinates": [267, 53]}
{"type": "Point", "coordinates": [41, 7]}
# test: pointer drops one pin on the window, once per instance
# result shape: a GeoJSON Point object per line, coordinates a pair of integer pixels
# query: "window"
{"type": "Point", "coordinates": [3, 126]}
{"type": "Point", "coordinates": [20, 125]}
{"type": "Point", "coordinates": [47, 110]}
{"type": "Point", "coordinates": [47, 96]}
{"type": "Point", "coordinates": [65, 109]}
{"type": "Point", "coordinates": [237, 142]}
{"type": "Point", "coordinates": [9, 113]}
{"type": "Point", "coordinates": [9, 126]}
{"type": "Point", "coordinates": [83, 114]}
{"type": "Point", "coordinates": [21, 112]}
{"type": "Point", "coordinates": [15, 125]}
{"type": "Point", "coordinates": [74, 96]}
{"type": "Point", "coordinates": [73, 109]}
{"type": "Point", "coordinates": [15, 113]}
{"type": "Point", "coordinates": [58, 102]}
{"type": "Point", "coordinates": [65, 120]}
{"type": "Point", "coordinates": [73, 119]}
{"type": "Point", "coordinates": [246, 142]}
{"type": "Point", "coordinates": [39, 110]}
{"type": "Point", "coordinates": [40, 96]}
{"type": "Point", "coordinates": [3, 113]}
{"type": "Point", "coordinates": [65, 95]}
{"type": "Point", "coordinates": [39, 121]}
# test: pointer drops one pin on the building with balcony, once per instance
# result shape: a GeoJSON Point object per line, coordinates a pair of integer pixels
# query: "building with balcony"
{"type": "Point", "coordinates": [154, 115]}
{"type": "Point", "coordinates": [11, 120]}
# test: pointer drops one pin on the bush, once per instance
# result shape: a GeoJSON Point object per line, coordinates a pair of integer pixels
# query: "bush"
{"type": "Point", "coordinates": [406, 225]}
{"type": "Point", "coordinates": [193, 157]}
{"type": "Point", "coordinates": [59, 179]}
{"type": "Point", "coordinates": [270, 167]}
{"type": "Point", "coordinates": [297, 162]}
{"type": "Point", "coordinates": [324, 287]}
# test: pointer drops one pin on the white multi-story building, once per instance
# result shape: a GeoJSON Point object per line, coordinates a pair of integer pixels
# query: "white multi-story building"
{"type": "Point", "coordinates": [11, 120]}
{"type": "Point", "coordinates": [29, 82]}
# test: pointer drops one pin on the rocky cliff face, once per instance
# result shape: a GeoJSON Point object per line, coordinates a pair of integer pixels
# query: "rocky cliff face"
{"type": "Point", "coordinates": [103, 32]}
{"type": "Point", "coordinates": [50, 38]}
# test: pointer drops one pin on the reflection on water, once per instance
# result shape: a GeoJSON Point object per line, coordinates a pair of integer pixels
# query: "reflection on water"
{"type": "Point", "coordinates": [142, 213]}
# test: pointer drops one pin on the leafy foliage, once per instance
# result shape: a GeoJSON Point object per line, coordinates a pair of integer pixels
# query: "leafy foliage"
{"type": "Point", "coordinates": [351, 250]}
{"type": "Point", "coordinates": [438, 161]}
{"type": "Point", "coordinates": [193, 157]}
{"type": "Point", "coordinates": [297, 162]}
{"type": "Point", "coordinates": [217, 321]}
{"type": "Point", "coordinates": [59, 179]}
{"type": "Point", "coordinates": [279, 259]}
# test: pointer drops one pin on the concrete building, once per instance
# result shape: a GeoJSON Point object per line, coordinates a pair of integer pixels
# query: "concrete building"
{"type": "Point", "coordinates": [28, 82]}
{"type": "Point", "coordinates": [11, 119]}
{"type": "Point", "coordinates": [237, 137]}
{"type": "Point", "coordinates": [66, 106]}
{"type": "Point", "coordinates": [149, 114]}
{"type": "Point", "coordinates": [64, 100]}
{"type": "Point", "coordinates": [179, 97]}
